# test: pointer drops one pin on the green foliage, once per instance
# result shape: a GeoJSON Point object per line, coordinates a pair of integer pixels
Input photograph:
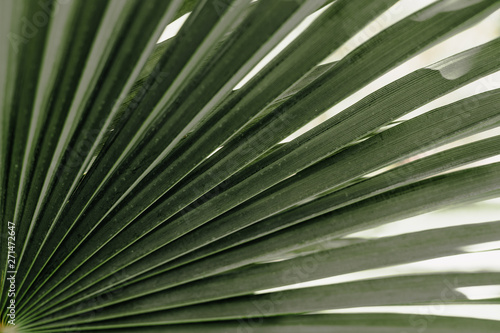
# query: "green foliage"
{"type": "Point", "coordinates": [147, 195]}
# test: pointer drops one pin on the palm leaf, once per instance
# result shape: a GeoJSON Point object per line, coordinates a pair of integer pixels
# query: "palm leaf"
{"type": "Point", "coordinates": [152, 186]}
